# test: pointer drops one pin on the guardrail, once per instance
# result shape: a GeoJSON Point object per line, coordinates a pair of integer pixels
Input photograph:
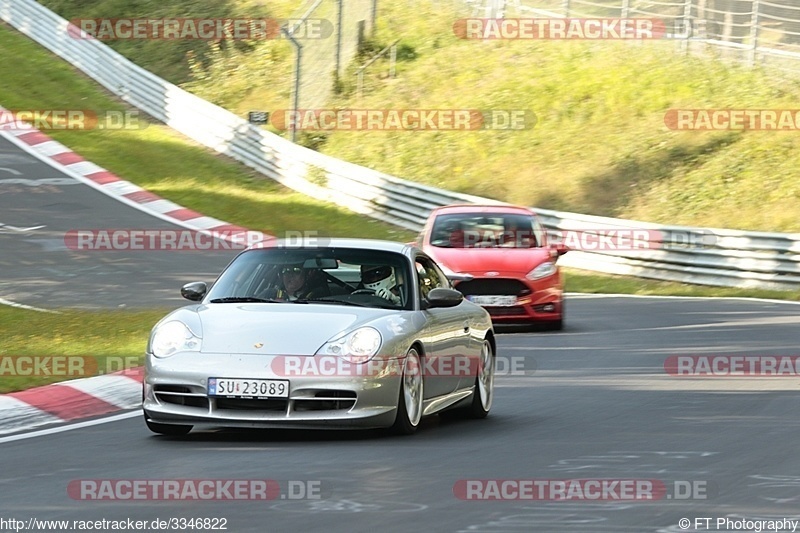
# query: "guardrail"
{"type": "Point", "coordinates": [692, 255]}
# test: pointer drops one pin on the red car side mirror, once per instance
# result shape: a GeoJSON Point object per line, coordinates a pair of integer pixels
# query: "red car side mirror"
{"type": "Point", "coordinates": [557, 250]}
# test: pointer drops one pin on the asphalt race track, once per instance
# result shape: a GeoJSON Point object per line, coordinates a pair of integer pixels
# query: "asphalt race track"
{"type": "Point", "coordinates": [593, 402]}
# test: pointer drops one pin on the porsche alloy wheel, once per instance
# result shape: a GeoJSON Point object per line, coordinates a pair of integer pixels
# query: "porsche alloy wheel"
{"type": "Point", "coordinates": [484, 383]}
{"type": "Point", "coordinates": [409, 404]}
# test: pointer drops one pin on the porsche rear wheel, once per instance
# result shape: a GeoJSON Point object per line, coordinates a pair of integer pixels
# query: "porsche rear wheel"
{"type": "Point", "coordinates": [409, 402]}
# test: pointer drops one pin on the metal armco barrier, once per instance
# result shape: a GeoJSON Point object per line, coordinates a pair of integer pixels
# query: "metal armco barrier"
{"type": "Point", "coordinates": [692, 255]}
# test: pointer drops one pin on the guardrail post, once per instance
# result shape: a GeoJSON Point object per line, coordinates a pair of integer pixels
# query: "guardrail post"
{"type": "Point", "coordinates": [565, 8]}
{"type": "Point", "coordinates": [338, 40]}
{"type": "Point", "coordinates": [754, 32]}
{"type": "Point", "coordinates": [688, 26]}
{"type": "Point", "coordinates": [626, 7]}
{"type": "Point", "coordinates": [297, 73]}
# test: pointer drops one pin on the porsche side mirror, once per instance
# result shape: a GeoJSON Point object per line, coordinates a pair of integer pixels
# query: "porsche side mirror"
{"type": "Point", "coordinates": [444, 298]}
{"type": "Point", "coordinates": [194, 291]}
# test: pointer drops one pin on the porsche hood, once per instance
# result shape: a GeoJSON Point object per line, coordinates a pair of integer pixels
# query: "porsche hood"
{"type": "Point", "coordinates": [266, 329]}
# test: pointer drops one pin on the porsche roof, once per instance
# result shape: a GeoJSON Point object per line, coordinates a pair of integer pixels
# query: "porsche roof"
{"type": "Point", "coordinates": [333, 242]}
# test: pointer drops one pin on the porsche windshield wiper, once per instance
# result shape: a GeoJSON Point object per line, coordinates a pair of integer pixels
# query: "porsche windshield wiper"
{"type": "Point", "coordinates": [335, 302]}
{"type": "Point", "coordinates": [243, 299]}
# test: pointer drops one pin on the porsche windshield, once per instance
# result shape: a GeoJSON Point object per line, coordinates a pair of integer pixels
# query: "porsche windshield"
{"type": "Point", "coordinates": [332, 276]}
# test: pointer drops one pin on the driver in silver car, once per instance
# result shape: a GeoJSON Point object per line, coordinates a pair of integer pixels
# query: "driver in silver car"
{"type": "Point", "coordinates": [298, 283]}
{"type": "Point", "coordinates": [382, 280]}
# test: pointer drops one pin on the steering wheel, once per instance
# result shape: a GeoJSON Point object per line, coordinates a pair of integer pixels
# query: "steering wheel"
{"type": "Point", "coordinates": [363, 291]}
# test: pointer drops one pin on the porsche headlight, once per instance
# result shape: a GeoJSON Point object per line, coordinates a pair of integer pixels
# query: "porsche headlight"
{"type": "Point", "coordinates": [174, 337]}
{"type": "Point", "coordinates": [358, 346]}
{"type": "Point", "coordinates": [547, 268]}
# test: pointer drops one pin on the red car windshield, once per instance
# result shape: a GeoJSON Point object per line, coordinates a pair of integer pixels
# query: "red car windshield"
{"type": "Point", "coordinates": [485, 230]}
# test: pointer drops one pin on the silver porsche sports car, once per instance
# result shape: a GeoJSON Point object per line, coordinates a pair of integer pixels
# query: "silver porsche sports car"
{"type": "Point", "coordinates": [346, 334]}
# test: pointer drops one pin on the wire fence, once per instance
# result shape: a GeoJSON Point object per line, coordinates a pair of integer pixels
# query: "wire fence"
{"type": "Point", "coordinates": [756, 31]}
{"type": "Point", "coordinates": [388, 55]}
{"type": "Point", "coordinates": [325, 35]}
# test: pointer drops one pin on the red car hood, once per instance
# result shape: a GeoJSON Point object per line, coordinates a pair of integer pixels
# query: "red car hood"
{"type": "Point", "coordinates": [478, 261]}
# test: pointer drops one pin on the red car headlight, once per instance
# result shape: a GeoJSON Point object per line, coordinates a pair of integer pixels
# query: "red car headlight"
{"type": "Point", "coordinates": [548, 268]}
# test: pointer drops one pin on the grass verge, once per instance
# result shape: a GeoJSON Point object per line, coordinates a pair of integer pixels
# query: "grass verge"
{"type": "Point", "coordinates": [103, 338]}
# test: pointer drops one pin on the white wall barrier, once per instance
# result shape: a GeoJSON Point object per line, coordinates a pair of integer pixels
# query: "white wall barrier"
{"type": "Point", "coordinates": [693, 255]}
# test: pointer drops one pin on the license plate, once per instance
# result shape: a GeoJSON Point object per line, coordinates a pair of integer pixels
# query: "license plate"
{"type": "Point", "coordinates": [248, 388]}
{"type": "Point", "coordinates": [493, 301]}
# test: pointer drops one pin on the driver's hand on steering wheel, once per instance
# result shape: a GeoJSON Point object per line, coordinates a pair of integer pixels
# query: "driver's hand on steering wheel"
{"type": "Point", "coordinates": [386, 294]}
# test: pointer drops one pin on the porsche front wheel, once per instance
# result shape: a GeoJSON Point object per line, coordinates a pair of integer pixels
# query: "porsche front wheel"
{"type": "Point", "coordinates": [484, 383]}
{"type": "Point", "coordinates": [409, 402]}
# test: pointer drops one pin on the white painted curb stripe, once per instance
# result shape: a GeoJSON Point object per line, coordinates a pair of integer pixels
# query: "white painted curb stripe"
{"type": "Point", "coordinates": [17, 415]}
{"type": "Point", "coordinates": [51, 148]}
{"type": "Point", "coordinates": [121, 188]}
{"type": "Point", "coordinates": [9, 303]}
{"type": "Point", "coordinates": [162, 206]}
{"type": "Point", "coordinates": [84, 168]}
{"type": "Point", "coordinates": [207, 223]}
{"type": "Point", "coordinates": [70, 427]}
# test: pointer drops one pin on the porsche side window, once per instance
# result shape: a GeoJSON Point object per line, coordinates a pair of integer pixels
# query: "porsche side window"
{"type": "Point", "coordinates": [429, 277]}
{"type": "Point", "coordinates": [424, 281]}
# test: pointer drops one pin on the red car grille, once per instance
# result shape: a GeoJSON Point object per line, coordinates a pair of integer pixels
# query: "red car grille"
{"type": "Point", "coordinates": [500, 286]}
{"type": "Point", "coordinates": [505, 311]}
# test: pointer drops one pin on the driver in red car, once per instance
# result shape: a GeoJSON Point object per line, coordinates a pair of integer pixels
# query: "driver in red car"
{"type": "Point", "coordinates": [382, 280]}
{"type": "Point", "coordinates": [516, 237]}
